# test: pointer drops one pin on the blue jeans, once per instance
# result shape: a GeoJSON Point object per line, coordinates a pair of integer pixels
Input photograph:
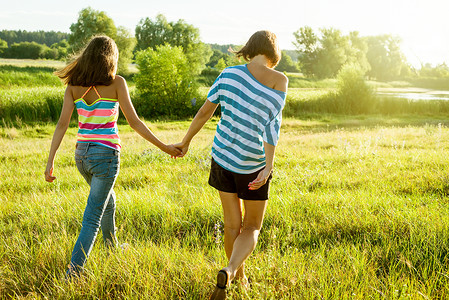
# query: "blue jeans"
{"type": "Point", "coordinates": [99, 165]}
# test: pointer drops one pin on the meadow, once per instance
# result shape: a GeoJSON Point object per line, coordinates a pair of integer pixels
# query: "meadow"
{"type": "Point", "coordinates": [358, 210]}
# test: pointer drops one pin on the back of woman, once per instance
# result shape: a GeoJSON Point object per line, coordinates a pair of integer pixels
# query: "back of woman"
{"type": "Point", "coordinates": [251, 98]}
{"type": "Point", "coordinates": [94, 89]}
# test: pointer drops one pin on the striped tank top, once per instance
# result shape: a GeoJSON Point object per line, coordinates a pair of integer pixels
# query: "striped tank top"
{"type": "Point", "coordinates": [98, 121]}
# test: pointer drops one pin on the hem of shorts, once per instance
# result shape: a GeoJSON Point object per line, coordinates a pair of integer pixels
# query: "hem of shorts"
{"type": "Point", "coordinates": [234, 192]}
{"type": "Point", "coordinates": [253, 199]}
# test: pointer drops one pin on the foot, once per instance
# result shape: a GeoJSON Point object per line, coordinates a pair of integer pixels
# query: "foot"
{"type": "Point", "coordinates": [220, 288]}
{"type": "Point", "coordinates": [72, 272]}
{"type": "Point", "coordinates": [244, 282]}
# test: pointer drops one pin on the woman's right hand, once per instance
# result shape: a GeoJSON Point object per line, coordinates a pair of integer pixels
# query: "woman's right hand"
{"type": "Point", "coordinates": [183, 146]}
{"type": "Point", "coordinates": [261, 179]}
{"type": "Point", "coordinates": [172, 150]}
{"type": "Point", "coordinates": [49, 173]}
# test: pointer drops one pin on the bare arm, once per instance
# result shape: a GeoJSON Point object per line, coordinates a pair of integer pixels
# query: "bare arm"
{"type": "Point", "coordinates": [135, 122]}
{"type": "Point", "coordinates": [263, 175]}
{"type": "Point", "coordinates": [281, 85]}
{"type": "Point", "coordinates": [61, 128]}
{"type": "Point", "coordinates": [202, 116]}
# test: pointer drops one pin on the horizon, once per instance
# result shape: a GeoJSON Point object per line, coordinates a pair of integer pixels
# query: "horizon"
{"type": "Point", "coordinates": [426, 41]}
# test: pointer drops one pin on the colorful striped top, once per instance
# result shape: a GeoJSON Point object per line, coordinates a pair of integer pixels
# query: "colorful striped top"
{"type": "Point", "coordinates": [250, 115]}
{"type": "Point", "coordinates": [98, 121]}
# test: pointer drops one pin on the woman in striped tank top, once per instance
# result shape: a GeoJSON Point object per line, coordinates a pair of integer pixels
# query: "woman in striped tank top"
{"type": "Point", "coordinates": [97, 92]}
{"type": "Point", "coordinates": [251, 98]}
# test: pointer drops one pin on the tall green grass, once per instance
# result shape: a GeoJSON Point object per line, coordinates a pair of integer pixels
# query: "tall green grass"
{"type": "Point", "coordinates": [29, 76]}
{"type": "Point", "coordinates": [296, 80]}
{"type": "Point", "coordinates": [35, 104]}
{"type": "Point", "coordinates": [356, 211]}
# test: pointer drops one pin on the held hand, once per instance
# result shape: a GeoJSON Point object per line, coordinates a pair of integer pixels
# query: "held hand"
{"type": "Point", "coordinates": [49, 173]}
{"type": "Point", "coordinates": [184, 147]}
{"type": "Point", "coordinates": [261, 179]}
{"type": "Point", "coordinates": [173, 151]}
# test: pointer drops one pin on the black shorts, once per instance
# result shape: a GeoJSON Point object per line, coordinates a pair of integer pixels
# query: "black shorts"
{"type": "Point", "coordinates": [230, 182]}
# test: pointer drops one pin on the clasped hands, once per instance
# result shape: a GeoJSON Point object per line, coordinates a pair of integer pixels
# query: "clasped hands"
{"type": "Point", "coordinates": [177, 150]}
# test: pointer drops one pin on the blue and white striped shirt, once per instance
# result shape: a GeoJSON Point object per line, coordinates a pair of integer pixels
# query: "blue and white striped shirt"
{"type": "Point", "coordinates": [250, 114]}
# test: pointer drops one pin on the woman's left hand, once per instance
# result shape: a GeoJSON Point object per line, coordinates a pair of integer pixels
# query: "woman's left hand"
{"type": "Point", "coordinates": [172, 151]}
{"type": "Point", "coordinates": [49, 173]}
{"type": "Point", "coordinates": [261, 179]}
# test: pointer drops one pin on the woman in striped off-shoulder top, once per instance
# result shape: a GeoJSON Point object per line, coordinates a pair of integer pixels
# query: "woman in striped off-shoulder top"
{"type": "Point", "coordinates": [251, 98]}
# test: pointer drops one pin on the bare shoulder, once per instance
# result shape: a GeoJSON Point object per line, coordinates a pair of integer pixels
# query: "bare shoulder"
{"type": "Point", "coordinates": [75, 91]}
{"type": "Point", "coordinates": [281, 81]}
{"type": "Point", "coordinates": [119, 85]}
{"type": "Point", "coordinates": [70, 90]}
{"type": "Point", "coordinates": [118, 81]}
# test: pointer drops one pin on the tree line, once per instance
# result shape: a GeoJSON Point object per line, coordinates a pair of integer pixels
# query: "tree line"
{"type": "Point", "coordinates": [41, 37]}
{"type": "Point", "coordinates": [318, 54]}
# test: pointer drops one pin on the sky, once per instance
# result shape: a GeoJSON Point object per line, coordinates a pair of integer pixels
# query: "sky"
{"type": "Point", "coordinates": [422, 25]}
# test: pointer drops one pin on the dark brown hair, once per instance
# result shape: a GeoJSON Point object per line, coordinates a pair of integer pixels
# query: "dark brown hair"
{"type": "Point", "coordinates": [95, 65]}
{"type": "Point", "coordinates": [262, 42]}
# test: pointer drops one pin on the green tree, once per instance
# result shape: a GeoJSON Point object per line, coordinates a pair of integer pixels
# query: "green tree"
{"type": "Point", "coordinates": [164, 83]}
{"type": "Point", "coordinates": [439, 71]}
{"type": "Point", "coordinates": [90, 23]}
{"type": "Point", "coordinates": [323, 55]}
{"type": "Point", "coordinates": [306, 44]}
{"type": "Point", "coordinates": [3, 47]}
{"type": "Point", "coordinates": [385, 57]}
{"type": "Point", "coordinates": [286, 64]}
{"type": "Point", "coordinates": [220, 65]}
{"type": "Point", "coordinates": [216, 56]}
{"type": "Point", "coordinates": [41, 37]}
{"type": "Point", "coordinates": [62, 47]}
{"type": "Point", "coordinates": [153, 33]}
{"type": "Point", "coordinates": [332, 54]}
{"type": "Point", "coordinates": [93, 22]}
{"type": "Point", "coordinates": [125, 43]}
{"type": "Point", "coordinates": [357, 52]}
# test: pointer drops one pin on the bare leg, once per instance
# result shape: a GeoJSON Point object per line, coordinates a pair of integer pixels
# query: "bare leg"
{"type": "Point", "coordinates": [246, 241]}
{"type": "Point", "coordinates": [232, 212]}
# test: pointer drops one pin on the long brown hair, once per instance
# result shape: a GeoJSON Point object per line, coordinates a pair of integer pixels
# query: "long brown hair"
{"type": "Point", "coordinates": [95, 65]}
{"type": "Point", "coordinates": [262, 42]}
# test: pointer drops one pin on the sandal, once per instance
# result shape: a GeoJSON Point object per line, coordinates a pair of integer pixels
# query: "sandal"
{"type": "Point", "coordinates": [220, 288]}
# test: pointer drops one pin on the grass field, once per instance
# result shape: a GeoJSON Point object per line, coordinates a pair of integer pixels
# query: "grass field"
{"type": "Point", "coordinates": [358, 207]}
{"type": "Point", "coordinates": [358, 210]}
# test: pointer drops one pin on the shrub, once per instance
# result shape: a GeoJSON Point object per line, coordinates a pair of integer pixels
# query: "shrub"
{"type": "Point", "coordinates": [353, 96]}
{"type": "Point", "coordinates": [31, 50]}
{"type": "Point", "coordinates": [165, 86]}
{"type": "Point", "coordinates": [208, 76]}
